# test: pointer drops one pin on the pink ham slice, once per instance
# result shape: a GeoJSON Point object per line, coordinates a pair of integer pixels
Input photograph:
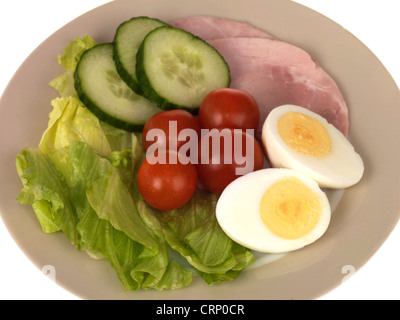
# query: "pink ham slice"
{"type": "Point", "coordinates": [210, 28]}
{"type": "Point", "coordinates": [278, 73]}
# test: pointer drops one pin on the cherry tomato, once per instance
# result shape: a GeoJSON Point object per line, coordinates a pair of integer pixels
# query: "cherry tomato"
{"type": "Point", "coordinates": [229, 108]}
{"type": "Point", "coordinates": [217, 168]}
{"type": "Point", "coordinates": [167, 186]}
{"type": "Point", "coordinates": [165, 121]}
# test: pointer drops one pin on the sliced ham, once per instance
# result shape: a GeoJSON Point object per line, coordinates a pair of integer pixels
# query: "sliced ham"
{"type": "Point", "coordinates": [210, 28]}
{"type": "Point", "coordinates": [274, 72]}
{"type": "Point", "coordinates": [278, 73]}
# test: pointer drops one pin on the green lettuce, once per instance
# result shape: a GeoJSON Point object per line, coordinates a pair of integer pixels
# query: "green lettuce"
{"type": "Point", "coordinates": [89, 202]}
{"type": "Point", "coordinates": [82, 181]}
{"type": "Point", "coordinates": [194, 232]}
{"type": "Point", "coordinates": [108, 196]}
{"type": "Point", "coordinates": [71, 121]}
{"type": "Point", "coordinates": [46, 190]}
{"type": "Point", "coordinates": [64, 84]}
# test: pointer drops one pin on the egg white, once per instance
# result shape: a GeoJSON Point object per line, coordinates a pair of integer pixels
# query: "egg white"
{"type": "Point", "coordinates": [238, 212]}
{"type": "Point", "coordinates": [342, 168]}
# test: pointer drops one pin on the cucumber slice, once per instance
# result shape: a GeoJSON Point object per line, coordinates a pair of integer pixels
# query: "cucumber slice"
{"type": "Point", "coordinates": [105, 94]}
{"type": "Point", "coordinates": [176, 69]}
{"type": "Point", "coordinates": [128, 38]}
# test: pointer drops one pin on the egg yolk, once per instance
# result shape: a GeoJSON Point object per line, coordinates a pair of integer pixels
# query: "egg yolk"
{"type": "Point", "coordinates": [304, 134]}
{"type": "Point", "coordinates": [290, 209]}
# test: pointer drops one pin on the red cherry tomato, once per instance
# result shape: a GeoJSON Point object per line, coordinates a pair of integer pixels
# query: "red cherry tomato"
{"type": "Point", "coordinates": [241, 155]}
{"type": "Point", "coordinates": [165, 121]}
{"type": "Point", "coordinates": [167, 186]}
{"type": "Point", "coordinates": [229, 108]}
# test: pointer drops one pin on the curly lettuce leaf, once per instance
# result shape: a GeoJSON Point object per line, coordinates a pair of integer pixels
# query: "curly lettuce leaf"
{"type": "Point", "coordinates": [84, 195]}
{"type": "Point", "coordinates": [64, 84]}
{"type": "Point", "coordinates": [102, 240]}
{"type": "Point", "coordinates": [112, 201]}
{"type": "Point", "coordinates": [46, 190]}
{"type": "Point", "coordinates": [72, 54]}
{"type": "Point", "coordinates": [194, 232]}
{"type": "Point", "coordinates": [71, 121]}
{"type": "Point", "coordinates": [108, 215]}
{"type": "Point", "coordinates": [175, 277]}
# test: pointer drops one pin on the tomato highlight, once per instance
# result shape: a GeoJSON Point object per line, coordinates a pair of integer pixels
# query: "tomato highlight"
{"type": "Point", "coordinates": [229, 108]}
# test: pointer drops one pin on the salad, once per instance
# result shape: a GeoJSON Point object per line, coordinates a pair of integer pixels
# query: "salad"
{"type": "Point", "coordinates": [129, 173]}
{"type": "Point", "coordinates": [82, 180]}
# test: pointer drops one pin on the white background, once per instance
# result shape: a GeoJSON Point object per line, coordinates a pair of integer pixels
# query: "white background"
{"type": "Point", "coordinates": [24, 24]}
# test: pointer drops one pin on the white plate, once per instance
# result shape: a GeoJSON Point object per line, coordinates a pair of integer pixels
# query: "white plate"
{"type": "Point", "coordinates": [365, 215]}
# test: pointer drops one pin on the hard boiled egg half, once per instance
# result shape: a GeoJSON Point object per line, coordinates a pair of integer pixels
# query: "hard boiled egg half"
{"type": "Point", "coordinates": [299, 139]}
{"type": "Point", "coordinates": [274, 210]}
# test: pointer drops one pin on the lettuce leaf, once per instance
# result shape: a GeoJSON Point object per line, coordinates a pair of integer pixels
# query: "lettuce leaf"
{"type": "Point", "coordinates": [101, 240]}
{"type": "Point", "coordinates": [94, 207]}
{"type": "Point", "coordinates": [71, 121]}
{"type": "Point", "coordinates": [83, 181]}
{"type": "Point", "coordinates": [64, 84]}
{"type": "Point", "coordinates": [112, 201]}
{"type": "Point", "coordinates": [74, 51]}
{"type": "Point", "coordinates": [45, 189]}
{"type": "Point", "coordinates": [83, 168]}
{"type": "Point", "coordinates": [194, 232]}
{"type": "Point", "coordinates": [99, 212]}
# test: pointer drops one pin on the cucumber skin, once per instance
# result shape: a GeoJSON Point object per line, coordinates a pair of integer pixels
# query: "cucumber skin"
{"type": "Point", "coordinates": [125, 75]}
{"type": "Point", "coordinates": [147, 88]}
{"type": "Point", "coordinates": [100, 114]}
{"type": "Point", "coordinates": [131, 82]}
